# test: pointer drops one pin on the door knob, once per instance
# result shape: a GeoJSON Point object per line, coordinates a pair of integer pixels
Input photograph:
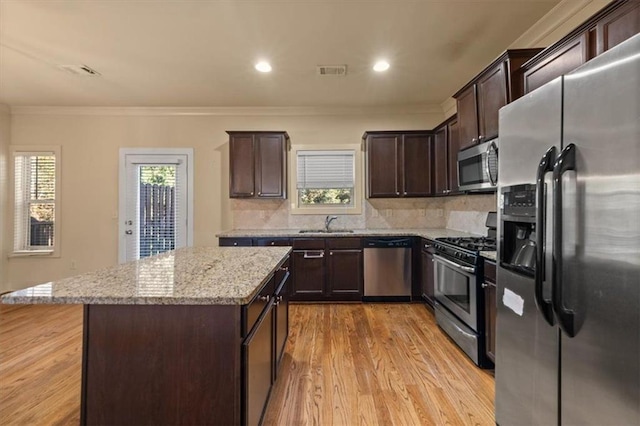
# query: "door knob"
{"type": "Point", "coordinates": [128, 232]}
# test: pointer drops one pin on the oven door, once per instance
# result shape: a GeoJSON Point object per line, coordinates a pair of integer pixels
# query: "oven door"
{"type": "Point", "coordinates": [456, 288]}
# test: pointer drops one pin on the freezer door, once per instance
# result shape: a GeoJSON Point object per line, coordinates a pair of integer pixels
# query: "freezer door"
{"type": "Point", "coordinates": [600, 366]}
{"type": "Point", "coordinates": [526, 346]}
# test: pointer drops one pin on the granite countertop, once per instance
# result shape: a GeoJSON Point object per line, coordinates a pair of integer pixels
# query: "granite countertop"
{"type": "Point", "coordinates": [430, 233]}
{"type": "Point", "coordinates": [186, 276]}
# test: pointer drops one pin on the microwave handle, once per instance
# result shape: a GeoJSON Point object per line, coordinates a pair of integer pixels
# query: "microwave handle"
{"type": "Point", "coordinates": [566, 317]}
{"type": "Point", "coordinates": [492, 147]}
{"type": "Point", "coordinates": [545, 166]}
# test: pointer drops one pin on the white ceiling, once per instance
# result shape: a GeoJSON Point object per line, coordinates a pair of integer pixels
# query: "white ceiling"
{"type": "Point", "coordinates": [201, 53]}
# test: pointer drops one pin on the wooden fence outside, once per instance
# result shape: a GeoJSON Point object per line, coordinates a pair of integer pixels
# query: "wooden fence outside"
{"type": "Point", "coordinates": [157, 219]}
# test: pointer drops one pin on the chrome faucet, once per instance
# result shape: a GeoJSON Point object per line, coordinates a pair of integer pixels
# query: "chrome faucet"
{"type": "Point", "coordinates": [328, 220]}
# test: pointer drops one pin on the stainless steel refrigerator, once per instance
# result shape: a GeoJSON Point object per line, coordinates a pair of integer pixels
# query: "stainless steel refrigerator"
{"type": "Point", "coordinates": [568, 322]}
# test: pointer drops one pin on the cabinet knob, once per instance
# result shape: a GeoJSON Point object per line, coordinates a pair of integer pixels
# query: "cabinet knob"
{"type": "Point", "coordinates": [405, 192]}
{"type": "Point", "coordinates": [474, 140]}
{"type": "Point", "coordinates": [284, 268]}
{"type": "Point", "coordinates": [252, 193]}
{"type": "Point", "coordinates": [235, 244]}
{"type": "Point", "coordinates": [273, 243]}
{"type": "Point", "coordinates": [480, 138]}
{"type": "Point", "coordinates": [484, 285]}
{"type": "Point", "coordinates": [264, 298]}
{"type": "Point", "coordinates": [330, 253]}
{"type": "Point", "coordinates": [397, 193]}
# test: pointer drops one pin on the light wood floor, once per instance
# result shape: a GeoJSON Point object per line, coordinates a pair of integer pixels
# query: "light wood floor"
{"type": "Point", "coordinates": [345, 364]}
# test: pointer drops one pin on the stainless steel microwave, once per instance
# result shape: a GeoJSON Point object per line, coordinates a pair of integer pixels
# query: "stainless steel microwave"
{"type": "Point", "coordinates": [478, 167]}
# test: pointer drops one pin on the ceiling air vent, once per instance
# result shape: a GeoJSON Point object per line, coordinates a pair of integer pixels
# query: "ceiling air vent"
{"type": "Point", "coordinates": [79, 70]}
{"type": "Point", "coordinates": [332, 69]}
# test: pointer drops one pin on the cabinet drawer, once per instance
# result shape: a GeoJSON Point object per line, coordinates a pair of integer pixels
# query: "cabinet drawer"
{"type": "Point", "coordinates": [344, 243]}
{"type": "Point", "coordinates": [308, 243]}
{"type": "Point", "coordinates": [489, 271]}
{"type": "Point", "coordinates": [271, 242]}
{"type": "Point", "coordinates": [230, 242]}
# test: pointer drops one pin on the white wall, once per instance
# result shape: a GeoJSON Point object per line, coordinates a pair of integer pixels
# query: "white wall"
{"type": "Point", "coordinates": [5, 133]}
{"type": "Point", "coordinates": [90, 140]}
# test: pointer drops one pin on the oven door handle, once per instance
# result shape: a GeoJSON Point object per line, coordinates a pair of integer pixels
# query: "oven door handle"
{"type": "Point", "coordinates": [467, 269]}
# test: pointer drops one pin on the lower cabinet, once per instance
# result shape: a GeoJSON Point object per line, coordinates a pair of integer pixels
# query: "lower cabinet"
{"type": "Point", "coordinates": [427, 275]}
{"type": "Point", "coordinates": [235, 242]}
{"type": "Point", "coordinates": [490, 308]}
{"type": "Point", "coordinates": [257, 357]}
{"type": "Point", "coordinates": [328, 269]}
{"type": "Point", "coordinates": [264, 344]}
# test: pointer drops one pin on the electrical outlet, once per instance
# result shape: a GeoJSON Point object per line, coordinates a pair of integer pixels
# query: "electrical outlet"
{"type": "Point", "coordinates": [439, 212]}
{"type": "Point", "coordinates": [423, 212]}
{"type": "Point", "coordinates": [388, 213]}
{"type": "Point", "coordinates": [73, 265]}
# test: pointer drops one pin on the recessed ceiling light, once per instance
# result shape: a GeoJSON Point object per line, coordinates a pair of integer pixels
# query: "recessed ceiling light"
{"type": "Point", "coordinates": [381, 66]}
{"type": "Point", "coordinates": [263, 66]}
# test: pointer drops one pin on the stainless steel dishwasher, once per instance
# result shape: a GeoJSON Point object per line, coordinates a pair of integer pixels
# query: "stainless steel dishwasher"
{"type": "Point", "coordinates": [387, 269]}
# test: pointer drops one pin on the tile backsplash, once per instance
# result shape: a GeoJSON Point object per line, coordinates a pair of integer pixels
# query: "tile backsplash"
{"type": "Point", "coordinates": [464, 212]}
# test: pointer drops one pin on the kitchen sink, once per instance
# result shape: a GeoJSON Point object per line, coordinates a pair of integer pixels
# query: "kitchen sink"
{"type": "Point", "coordinates": [324, 231]}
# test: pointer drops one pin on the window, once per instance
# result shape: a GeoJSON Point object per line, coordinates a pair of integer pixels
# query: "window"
{"type": "Point", "coordinates": [36, 183]}
{"type": "Point", "coordinates": [326, 181]}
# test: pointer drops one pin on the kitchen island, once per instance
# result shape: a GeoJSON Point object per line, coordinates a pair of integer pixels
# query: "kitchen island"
{"type": "Point", "coordinates": [191, 336]}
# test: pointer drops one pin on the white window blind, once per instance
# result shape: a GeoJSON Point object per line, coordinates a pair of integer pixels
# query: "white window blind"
{"type": "Point", "coordinates": [35, 201]}
{"type": "Point", "coordinates": [325, 169]}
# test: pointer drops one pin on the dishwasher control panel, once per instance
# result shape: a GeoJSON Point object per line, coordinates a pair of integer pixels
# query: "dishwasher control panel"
{"type": "Point", "coordinates": [387, 242]}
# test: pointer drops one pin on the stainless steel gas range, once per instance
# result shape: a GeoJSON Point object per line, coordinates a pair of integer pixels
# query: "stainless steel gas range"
{"type": "Point", "coordinates": [459, 306]}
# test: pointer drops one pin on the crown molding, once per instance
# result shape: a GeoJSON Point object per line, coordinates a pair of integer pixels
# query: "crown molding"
{"type": "Point", "coordinates": [224, 111]}
{"type": "Point", "coordinates": [449, 107]}
{"type": "Point", "coordinates": [554, 19]}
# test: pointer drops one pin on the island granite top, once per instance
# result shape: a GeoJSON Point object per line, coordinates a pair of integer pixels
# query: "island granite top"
{"type": "Point", "coordinates": [186, 276]}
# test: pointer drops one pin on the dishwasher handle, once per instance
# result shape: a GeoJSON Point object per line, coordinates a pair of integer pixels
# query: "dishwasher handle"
{"type": "Point", "coordinates": [388, 243]}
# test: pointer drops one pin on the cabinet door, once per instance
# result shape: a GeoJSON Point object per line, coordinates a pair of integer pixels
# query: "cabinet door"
{"type": "Point", "coordinates": [270, 166]}
{"type": "Point", "coordinates": [416, 165]}
{"type": "Point", "coordinates": [618, 26]}
{"type": "Point", "coordinates": [440, 162]}
{"type": "Point", "coordinates": [308, 275]}
{"type": "Point", "coordinates": [428, 279]}
{"type": "Point", "coordinates": [566, 59]}
{"type": "Point", "coordinates": [492, 95]}
{"type": "Point", "coordinates": [383, 166]}
{"type": "Point", "coordinates": [453, 147]}
{"type": "Point", "coordinates": [490, 319]}
{"type": "Point", "coordinates": [257, 357]}
{"type": "Point", "coordinates": [281, 319]}
{"type": "Point", "coordinates": [345, 274]}
{"type": "Point", "coordinates": [468, 117]}
{"type": "Point", "coordinates": [241, 166]}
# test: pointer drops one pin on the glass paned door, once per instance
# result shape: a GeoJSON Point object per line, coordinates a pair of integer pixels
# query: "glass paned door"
{"type": "Point", "coordinates": [156, 209]}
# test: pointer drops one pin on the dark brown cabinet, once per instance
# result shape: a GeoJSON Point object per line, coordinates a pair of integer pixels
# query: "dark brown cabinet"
{"type": "Point", "coordinates": [308, 269]}
{"type": "Point", "coordinates": [327, 269]}
{"type": "Point", "coordinates": [478, 102]}
{"type": "Point", "coordinates": [612, 25]}
{"type": "Point", "coordinates": [281, 315]}
{"type": "Point", "coordinates": [258, 164]}
{"type": "Point", "coordinates": [427, 275]}
{"type": "Point", "coordinates": [398, 164]}
{"type": "Point", "coordinates": [445, 158]}
{"type": "Point", "coordinates": [345, 269]}
{"type": "Point", "coordinates": [490, 304]}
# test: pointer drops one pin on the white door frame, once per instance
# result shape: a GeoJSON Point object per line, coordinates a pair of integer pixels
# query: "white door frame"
{"type": "Point", "coordinates": [122, 191]}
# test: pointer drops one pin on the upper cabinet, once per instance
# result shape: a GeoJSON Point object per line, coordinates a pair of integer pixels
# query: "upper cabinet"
{"type": "Point", "coordinates": [445, 158]}
{"type": "Point", "coordinates": [258, 164]}
{"type": "Point", "coordinates": [611, 26]}
{"type": "Point", "coordinates": [398, 164]}
{"type": "Point", "coordinates": [478, 101]}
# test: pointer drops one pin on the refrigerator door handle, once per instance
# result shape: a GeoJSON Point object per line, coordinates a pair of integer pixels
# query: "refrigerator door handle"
{"type": "Point", "coordinates": [545, 166]}
{"type": "Point", "coordinates": [566, 162]}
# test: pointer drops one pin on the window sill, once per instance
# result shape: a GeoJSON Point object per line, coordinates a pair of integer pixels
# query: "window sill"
{"type": "Point", "coordinates": [30, 253]}
{"type": "Point", "coordinates": [326, 210]}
